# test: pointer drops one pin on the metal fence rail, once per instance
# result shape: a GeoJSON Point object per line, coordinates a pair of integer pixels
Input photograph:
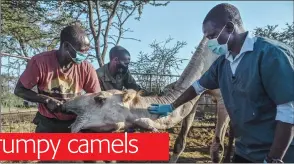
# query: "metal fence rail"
{"type": "Point", "coordinates": [17, 114]}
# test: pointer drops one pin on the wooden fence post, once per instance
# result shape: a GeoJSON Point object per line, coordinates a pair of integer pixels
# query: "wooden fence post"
{"type": "Point", "coordinates": [0, 93]}
{"type": "Point", "coordinates": [150, 83]}
{"type": "Point", "coordinates": [0, 76]}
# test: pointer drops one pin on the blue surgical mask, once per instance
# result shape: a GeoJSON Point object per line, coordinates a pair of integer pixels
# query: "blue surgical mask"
{"type": "Point", "coordinates": [80, 57]}
{"type": "Point", "coordinates": [215, 47]}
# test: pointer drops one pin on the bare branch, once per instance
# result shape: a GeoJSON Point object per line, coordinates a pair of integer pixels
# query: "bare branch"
{"type": "Point", "coordinates": [20, 56]}
{"type": "Point", "coordinates": [99, 20]}
{"type": "Point", "coordinates": [107, 29]}
{"type": "Point", "coordinates": [162, 60]}
{"type": "Point", "coordinates": [112, 38]}
{"type": "Point", "coordinates": [23, 47]}
{"type": "Point", "coordinates": [52, 42]}
{"type": "Point", "coordinates": [127, 38]}
{"type": "Point", "coordinates": [121, 23]}
{"type": "Point", "coordinates": [91, 18]}
{"type": "Point", "coordinates": [95, 36]}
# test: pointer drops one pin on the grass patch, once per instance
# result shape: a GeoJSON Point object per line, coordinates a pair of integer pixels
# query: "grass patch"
{"type": "Point", "coordinates": [196, 151]}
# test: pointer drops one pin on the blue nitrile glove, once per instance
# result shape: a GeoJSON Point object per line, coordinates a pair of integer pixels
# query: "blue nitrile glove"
{"type": "Point", "coordinates": [130, 130]}
{"type": "Point", "coordinates": [161, 109]}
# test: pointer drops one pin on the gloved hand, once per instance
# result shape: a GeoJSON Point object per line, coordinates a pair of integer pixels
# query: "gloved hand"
{"type": "Point", "coordinates": [130, 130]}
{"type": "Point", "coordinates": [160, 109]}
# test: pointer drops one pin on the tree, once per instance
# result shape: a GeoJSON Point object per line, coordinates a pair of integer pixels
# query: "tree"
{"type": "Point", "coordinates": [161, 61]}
{"type": "Point", "coordinates": [30, 27]}
{"type": "Point", "coordinates": [286, 35]}
{"type": "Point", "coordinates": [34, 26]}
{"type": "Point", "coordinates": [105, 15]}
{"type": "Point", "coordinates": [7, 98]}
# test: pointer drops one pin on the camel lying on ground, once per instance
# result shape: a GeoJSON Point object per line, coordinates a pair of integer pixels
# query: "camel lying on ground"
{"type": "Point", "coordinates": [116, 110]}
{"type": "Point", "coordinates": [199, 63]}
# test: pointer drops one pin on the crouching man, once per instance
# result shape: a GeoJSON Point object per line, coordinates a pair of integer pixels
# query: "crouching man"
{"type": "Point", "coordinates": [115, 74]}
{"type": "Point", "coordinates": [59, 75]}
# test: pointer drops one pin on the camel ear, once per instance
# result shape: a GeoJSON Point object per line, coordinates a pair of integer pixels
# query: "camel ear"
{"type": "Point", "coordinates": [128, 95]}
{"type": "Point", "coordinates": [101, 97]}
{"type": "Point", "coordinates": [141, 92]}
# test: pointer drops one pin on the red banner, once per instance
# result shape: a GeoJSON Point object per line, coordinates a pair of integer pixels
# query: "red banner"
{"type": "Point", "coordinates": [84, 146]}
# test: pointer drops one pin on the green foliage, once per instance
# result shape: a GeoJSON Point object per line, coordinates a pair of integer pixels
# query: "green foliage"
{"type": "Point", "coordinates": [158, 65]}
{"type": "Point", "coordinates": [7, 98]}
{"type": "Point", "coordinates": [286, 35]}
{"type": "Point", "coordinates": [22, 31]}
{"type": "Point", "coordinates": [30, 27]}
{"type": "Point", "coordinates": [162, 60]}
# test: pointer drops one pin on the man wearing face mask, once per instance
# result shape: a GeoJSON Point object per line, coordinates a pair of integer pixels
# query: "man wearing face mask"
{"type": "Point", "coordinates": [256, 79]}
{"type": "Point", "coordinates": [59, 75]}
{"type": "Point", "coordinates": [115, 74]}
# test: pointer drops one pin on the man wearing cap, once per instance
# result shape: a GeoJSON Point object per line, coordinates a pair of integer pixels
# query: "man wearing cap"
{"type": "Point", "coordinates": [115, 74]}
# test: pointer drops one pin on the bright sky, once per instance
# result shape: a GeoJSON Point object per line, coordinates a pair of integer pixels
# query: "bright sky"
{"type": "Point", "coordinates": [183, 21]}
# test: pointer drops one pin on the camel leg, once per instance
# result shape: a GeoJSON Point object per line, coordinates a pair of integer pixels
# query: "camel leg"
{"type": "Point", "coordinates": [180, 143]}
{"type": "Point", "coordinates": [109, 161]}
{"type": "Point", "coordinates": [145, 123]}
{"type": "Point", "coordinates": [227, 158]}
{"type": "Point", "coordinates": [220, 131]}
{"type": "Point", "coordinates": [118, 126]}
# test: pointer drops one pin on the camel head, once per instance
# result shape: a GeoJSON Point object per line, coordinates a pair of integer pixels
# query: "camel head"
{"type": "Point", "coordinates": [111, 99]}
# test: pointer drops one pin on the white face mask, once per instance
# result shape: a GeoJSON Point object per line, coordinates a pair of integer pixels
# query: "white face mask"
{"type": "Point", "coordinates": [215, 47]}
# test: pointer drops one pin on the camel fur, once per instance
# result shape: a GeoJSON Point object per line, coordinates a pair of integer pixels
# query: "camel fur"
{"type": "Point", "coordinates": [139, 116]}
{"type": "Point", "coordinates": [115, 110]}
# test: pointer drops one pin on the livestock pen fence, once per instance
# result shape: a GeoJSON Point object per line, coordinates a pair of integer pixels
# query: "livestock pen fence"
{"type": "Point", "coordinates": [17, 114]}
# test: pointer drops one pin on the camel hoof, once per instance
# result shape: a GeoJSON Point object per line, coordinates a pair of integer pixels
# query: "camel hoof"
{"type": "Point", "coordinates": [214, 152]}
{"type": "Point", "coordinates": [227, 160]}
{"type": "Point", "coordinates": [155, 130]}
{"type": "Point", "coordinates": [173, 159]}
{"type": "Point", "coordinates": [110, 161]}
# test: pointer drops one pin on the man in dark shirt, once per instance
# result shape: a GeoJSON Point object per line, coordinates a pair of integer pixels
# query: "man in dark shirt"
{"type": "Point", "coordinates": [115, 74]}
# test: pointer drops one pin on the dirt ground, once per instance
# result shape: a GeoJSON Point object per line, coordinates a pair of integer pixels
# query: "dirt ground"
{"type": "Point", "coordinates": [196, 151]}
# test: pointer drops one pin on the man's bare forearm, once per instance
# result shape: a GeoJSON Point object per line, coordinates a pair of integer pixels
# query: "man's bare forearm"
{"type": "Point", "coordinates": [283, 137]}
{"type": "Point", "coordinates": [29, 95]}
{"type": "Point", "coordinates": [188, 95]}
